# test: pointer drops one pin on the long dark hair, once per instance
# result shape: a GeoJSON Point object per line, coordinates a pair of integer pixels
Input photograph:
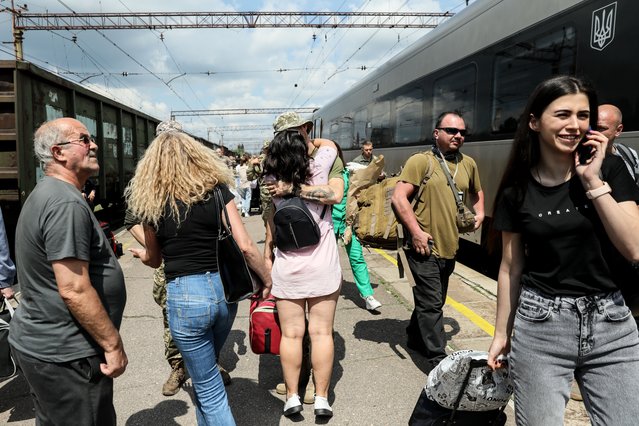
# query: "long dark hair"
{"type": "Point", "coordinates": [525, 152]}
{"type": "Point", "coordinates": [287, 158]}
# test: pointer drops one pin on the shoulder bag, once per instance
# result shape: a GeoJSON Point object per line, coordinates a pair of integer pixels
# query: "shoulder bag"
{"type": "Point", "coordinates": [464, 218]}
{"type": "Point", "coordinates": [239, 281]}
{"type": "Point", "coordinates": [7, 364]}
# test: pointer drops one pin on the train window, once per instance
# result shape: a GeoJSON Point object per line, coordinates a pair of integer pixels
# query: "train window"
{"type": "Point", "coordinates": [110, 152]}
{"type": "Point", "coordinates": [521, 67]}
{"type": "Point", "coordinates": [410, 109]}
{"type": "Point", "coordinates": [359, 127]}
{"type": "Point", "coordinates": [150, 134]}
{"type": "Point", "coordinates": [128, 162]}
{"type": "Point", "coordinates": [86, 113]}
{"type": "Point", "coordinates": [456, 92]}
{"type": "Point", "coordinates": [140, 140]}
{"type": "Point", "coordinates": [333, 131]}
{"type": "Point", "coordinates": [381, 134]}
{"type": "Point", "coordinates": [345, 132]}
{"type": "Point", "coordinates": [341, 131]}
{"type": "Point", "coordinates": [49, 102]}
{"type": "Point", "coordinates": [127, 135]}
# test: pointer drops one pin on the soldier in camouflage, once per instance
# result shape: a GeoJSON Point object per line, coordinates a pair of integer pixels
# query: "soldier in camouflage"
{"type": "Point", "coordinates": [255, 172]}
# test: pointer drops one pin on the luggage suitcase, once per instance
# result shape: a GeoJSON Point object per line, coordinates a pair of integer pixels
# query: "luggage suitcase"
{"type": "Point", "coordinates": [7, 364]}
{"type": "Point", "coordinates": [428, 412]}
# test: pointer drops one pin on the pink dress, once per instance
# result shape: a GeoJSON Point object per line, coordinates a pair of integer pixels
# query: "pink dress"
{"type": "Point", "coordinates": [311, 271]}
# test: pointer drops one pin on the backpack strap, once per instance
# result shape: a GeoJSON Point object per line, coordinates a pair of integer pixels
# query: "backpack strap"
{"type": "Point", "coordinates": [629, 157]}
{"type": "Point", "coordinates": [324, 211]}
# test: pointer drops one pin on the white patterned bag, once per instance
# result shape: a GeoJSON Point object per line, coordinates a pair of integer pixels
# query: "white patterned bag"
{"type": "Point", "coordinates": [486, 389]}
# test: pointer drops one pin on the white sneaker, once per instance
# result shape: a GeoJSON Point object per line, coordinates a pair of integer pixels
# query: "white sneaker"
{"type": "Point", "coordinates": [372, 303]}
{"type": "Point", "coordinates": [293, 405]}
{"type": "Point", "coordinates": [322, 407]}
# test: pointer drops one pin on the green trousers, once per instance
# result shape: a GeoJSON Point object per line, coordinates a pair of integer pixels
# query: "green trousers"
{"type": "Point", "coordinates": [358, 265]}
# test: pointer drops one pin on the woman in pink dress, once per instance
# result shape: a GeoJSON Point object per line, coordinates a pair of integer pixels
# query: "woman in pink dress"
{"type": "Point", "coordinates": [305, 278]}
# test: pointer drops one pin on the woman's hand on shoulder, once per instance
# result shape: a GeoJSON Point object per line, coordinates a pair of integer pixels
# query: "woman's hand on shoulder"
{"type": "Point", "coordinates": [319, 142]}
{"type": "Point", "coordinates": [279, 188]}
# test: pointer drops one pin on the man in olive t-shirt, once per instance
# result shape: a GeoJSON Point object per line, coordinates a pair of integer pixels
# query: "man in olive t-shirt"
{"type": "Point", "coordinates": [65, 334]}
{"type": "Point", "coordinates": [434, 238]}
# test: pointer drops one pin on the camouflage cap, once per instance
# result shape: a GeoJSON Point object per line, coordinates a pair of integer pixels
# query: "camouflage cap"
{"type": "Point", "coordinates": [168, 126]}
{"type": "Point", "coordinates": [289, 120]}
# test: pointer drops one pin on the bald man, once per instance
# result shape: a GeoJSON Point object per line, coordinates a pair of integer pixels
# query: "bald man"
{"type": "Point", "coordinates": [609, 122]}
{"type": "Point", "coordinates": [65, 334]}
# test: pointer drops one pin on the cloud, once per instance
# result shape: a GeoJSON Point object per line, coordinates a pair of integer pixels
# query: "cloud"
{"type": "Point", "coordinates": [241, 64]}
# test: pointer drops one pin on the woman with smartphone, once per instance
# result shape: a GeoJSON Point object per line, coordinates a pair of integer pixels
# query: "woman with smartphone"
{"type": "Point", "coordinates": [569, 224]}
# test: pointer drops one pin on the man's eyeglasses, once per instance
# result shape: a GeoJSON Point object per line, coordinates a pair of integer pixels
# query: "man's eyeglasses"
{"type": "Point", "coordinates": [453, 130]}
{"type": "Point", "coordinates": [85, 139]}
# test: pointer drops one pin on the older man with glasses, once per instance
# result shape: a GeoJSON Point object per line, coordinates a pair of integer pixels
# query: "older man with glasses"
{"type": "Point", "coordinates": [431, 229]}
{"type": "Point", "coordinates": [65, 334]}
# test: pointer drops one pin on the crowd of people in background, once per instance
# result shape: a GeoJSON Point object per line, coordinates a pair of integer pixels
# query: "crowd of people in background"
{"type": "Point", "coordinates": [563, 313]}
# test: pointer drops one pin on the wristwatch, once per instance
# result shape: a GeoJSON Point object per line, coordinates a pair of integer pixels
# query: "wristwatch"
{"type": "Point", "coordinates": [598, 192]}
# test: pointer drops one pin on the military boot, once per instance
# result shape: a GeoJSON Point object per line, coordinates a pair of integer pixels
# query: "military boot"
{"type": "Point", "coordinates": [226, 377]}
{"type": "Point", "coordinates": [175, 381]}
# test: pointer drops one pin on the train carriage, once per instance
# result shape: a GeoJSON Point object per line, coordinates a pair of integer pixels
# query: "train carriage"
{"type": "Point", "coordinates": [484, 62]}
{"type": "Point", "coordinates": [30, 96]}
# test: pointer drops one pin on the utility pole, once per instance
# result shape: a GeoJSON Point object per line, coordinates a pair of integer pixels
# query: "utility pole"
{"type": "Point", "coordinates": [18, 34]}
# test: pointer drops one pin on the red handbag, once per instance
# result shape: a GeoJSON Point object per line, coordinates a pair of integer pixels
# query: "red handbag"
{"type": "Point", "coordinates": [264, 327]}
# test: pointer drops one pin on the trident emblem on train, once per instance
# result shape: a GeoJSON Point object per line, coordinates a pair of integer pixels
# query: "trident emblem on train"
{"type": "Point", "coordinates": [602, 31]}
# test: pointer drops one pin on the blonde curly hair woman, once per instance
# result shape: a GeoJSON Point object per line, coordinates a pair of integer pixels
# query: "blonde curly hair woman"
{"type": "Point", "coordinates": [172, 195]}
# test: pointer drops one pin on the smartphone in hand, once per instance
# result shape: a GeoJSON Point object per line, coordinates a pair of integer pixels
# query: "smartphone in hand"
{"type": "Point", "coordinates": [584, 151]}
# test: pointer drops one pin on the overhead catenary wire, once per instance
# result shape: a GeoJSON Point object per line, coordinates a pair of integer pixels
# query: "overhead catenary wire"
{"type": "Point", "coordinates": [168, 51]}
{"type": "Point", "coordinates": [322, 59]}
{"type": "Point", "coordinates": [134, 60]}
{"type": "Point", "coordinates": [347, 60]}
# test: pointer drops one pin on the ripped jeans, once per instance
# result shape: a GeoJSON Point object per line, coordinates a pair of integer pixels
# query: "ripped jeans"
{"type": "Point", "coordinates": [593, 339]}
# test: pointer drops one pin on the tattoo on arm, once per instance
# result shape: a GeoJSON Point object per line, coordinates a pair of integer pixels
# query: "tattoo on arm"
{"type": "Point", "coordinates": [318, 194]}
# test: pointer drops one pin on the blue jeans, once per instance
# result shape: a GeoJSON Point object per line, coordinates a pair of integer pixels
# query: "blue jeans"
{"type": "Point", "coordinates": [200, 321]}
{"type": "Point", "coordinates": [594, 339]}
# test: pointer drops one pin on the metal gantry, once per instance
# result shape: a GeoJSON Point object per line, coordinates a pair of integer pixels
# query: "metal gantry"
{"type": "Point", "coordinates": [238, 111]}
{"type": "Point", "coordinates": [240, 128]}
{"type": "Point", "coordinates": [175, 20]}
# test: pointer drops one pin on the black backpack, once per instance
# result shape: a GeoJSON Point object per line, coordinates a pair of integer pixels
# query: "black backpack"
{"type": "Point", "coordinates": [295, 227]}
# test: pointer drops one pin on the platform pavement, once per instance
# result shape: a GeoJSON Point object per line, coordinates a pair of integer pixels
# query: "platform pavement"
{"type": "Point", "coordinates": [376, 379]}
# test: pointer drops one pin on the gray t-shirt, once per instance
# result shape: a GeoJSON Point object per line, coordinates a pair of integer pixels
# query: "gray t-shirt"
{"type": "Point", "coordinates": [55, 223]}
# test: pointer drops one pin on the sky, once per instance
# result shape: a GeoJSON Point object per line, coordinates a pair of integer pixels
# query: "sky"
{"type": "Point", "coordinates": [248, 68]}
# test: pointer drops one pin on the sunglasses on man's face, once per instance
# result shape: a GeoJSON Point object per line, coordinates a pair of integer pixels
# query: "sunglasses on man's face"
{"type": "Point", "coordinates": [85, 139]}
{"type": "Point", "coordinates": [453, 130]}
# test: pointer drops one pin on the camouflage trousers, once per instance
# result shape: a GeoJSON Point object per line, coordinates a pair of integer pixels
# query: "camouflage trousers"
{"type": "Point", "coordinates": [171, 352]}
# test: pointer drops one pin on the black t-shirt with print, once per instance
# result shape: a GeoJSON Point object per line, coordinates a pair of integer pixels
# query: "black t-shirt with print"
{"type": "Point", "coordinates": [190, 247]}
{"type": "Point", "coordinates": [567, 251]}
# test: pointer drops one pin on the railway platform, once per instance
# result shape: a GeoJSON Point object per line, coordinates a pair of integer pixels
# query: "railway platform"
{"type": "Point", "coordinates": [376, 378]}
